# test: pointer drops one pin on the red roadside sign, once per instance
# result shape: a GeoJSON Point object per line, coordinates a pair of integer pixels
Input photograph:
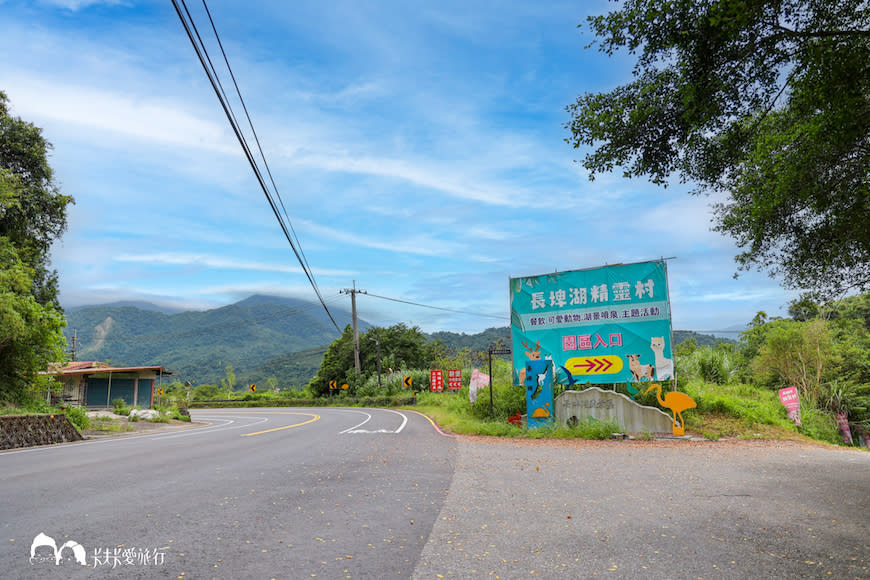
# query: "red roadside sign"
{"type": "Point", "coordinates": [454, 379]}
{"type": "Point", "coordinates": [436, 380]}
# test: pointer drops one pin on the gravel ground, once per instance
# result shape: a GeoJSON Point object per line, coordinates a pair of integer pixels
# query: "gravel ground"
{"type": "Point", "coordinates": [128, 428]}
{"type": "Point", "coordinates": [659, 509]}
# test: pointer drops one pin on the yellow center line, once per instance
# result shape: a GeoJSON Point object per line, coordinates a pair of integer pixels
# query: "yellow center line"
{"type": "Point", "coordinates": [312, 420]}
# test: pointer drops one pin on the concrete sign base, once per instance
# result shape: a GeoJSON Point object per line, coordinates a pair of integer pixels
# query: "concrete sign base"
{"type": "Point", "coordinates": [601, 405]}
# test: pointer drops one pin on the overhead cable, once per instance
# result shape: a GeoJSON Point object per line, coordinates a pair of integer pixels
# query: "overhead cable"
{"type": "Point", "coordinates": [438, 307]}
{"type": "Point", "coordinates": [204, 59]}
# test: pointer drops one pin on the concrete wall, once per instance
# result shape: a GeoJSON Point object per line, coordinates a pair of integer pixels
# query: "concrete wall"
{"type": "Point", "coordinates": [610, 406]}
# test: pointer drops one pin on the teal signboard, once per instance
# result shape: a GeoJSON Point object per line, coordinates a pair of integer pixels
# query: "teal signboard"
{"type": "Point", "coordinates": [602, 325]}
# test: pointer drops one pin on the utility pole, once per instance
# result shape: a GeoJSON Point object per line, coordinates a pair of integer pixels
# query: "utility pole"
{"type": "Point", "coordinates": [75, 336]}
{"type": "Point", "coordinates": [353, 292]}
{"type": "Point", "coordinates": [378, 342]}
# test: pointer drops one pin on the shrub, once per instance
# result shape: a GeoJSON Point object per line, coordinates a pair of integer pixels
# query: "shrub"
{"type": "Point", "coordinates": [820, 425]}
{"type": "Point", "coordinates": [78, 416]}
{"type": "Point", "coordinates": [714, 365]}
{"type": "Point", "coordinates": [121, 407]}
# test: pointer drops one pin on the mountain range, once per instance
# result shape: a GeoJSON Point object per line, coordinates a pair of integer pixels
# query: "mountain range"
{"type": "Point", "coordinates": [256, 336]}
{"type": "Point", "coordinates": [260, 337]}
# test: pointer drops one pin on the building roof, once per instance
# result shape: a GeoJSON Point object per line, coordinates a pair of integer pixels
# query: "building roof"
{"type": "Point", "coordinates": [94, 367]}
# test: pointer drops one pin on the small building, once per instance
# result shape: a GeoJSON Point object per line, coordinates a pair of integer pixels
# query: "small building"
{"type": "Point", "coordinates": [96, 384]}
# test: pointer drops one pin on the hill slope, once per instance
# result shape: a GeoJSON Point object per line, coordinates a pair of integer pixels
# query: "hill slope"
{"type": "Point", "coordinates": [261, 337]}
{"type": "Point", "coordinates": [197, 346]}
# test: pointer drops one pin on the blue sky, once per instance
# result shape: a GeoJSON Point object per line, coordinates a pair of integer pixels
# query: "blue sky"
{"type": "Point", "coordinates": [418, 148]}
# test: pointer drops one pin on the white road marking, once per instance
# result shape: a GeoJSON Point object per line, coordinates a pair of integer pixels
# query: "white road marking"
{"type": "Point", "coordinates": [356, 428]}
{"type": "Point", "coordinates": [353, 429]}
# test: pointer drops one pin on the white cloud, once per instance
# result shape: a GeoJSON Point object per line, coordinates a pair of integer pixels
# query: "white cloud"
{"type": "Point", "coordinates": [203, 260]}
{"type": "Point", "coordinates": [76, 5]}
{"type": "Point", "coordinates": [421, 244]}
{"type": "Point", "coordinates": [148, 119]}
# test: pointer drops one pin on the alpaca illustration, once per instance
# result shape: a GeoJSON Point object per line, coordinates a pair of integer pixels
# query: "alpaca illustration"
{"type": "Point", "coordinates": [639, 372]}
{"type": "Point", "coordinates": [664, 366]}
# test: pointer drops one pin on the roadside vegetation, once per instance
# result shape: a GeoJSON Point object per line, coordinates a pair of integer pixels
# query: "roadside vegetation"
{"type": "Point", "coordinates": [824, 351]}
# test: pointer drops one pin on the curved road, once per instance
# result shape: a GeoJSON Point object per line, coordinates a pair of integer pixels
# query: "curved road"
{"type": "Point", "coordinates": [258, 493]}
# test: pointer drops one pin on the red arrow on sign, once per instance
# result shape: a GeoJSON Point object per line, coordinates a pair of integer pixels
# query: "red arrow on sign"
{"type": "Point", "coordinates": [595, 365]}
{"type": "Point", "coordinates": [588, 364]}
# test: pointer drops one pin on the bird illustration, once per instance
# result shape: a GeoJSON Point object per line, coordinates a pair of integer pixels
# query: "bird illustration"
{"type": "Point", "coordinates": [677, 403]}
{"type": "Point", "coordinates": [542, 412]}
{"type": "Point", "coordinates": [571, 379]}
{"type": "Point", "coordinates": [631, 390]}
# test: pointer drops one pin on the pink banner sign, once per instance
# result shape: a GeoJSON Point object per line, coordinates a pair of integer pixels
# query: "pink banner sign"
{"type": "Point", "coordinates": [479, 380]}
{"type": "Point", "coordinates": [789, 398]}
{"type": "Point", "coordinates": [843, 422]}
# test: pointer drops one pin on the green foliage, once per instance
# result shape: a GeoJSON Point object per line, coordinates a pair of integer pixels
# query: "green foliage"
{"type": "Point", "coordinates": [32, 210]}
{"type": "Point", "coordinates": [30, 333]}
{"type": "Point", "coordinates": [228, 383]}
{"type": "Point", "coordinates": [798, 354]}
{"type": "Point", "coordinates": [715, 365]}
{"type": "Point", "coordinates": [121, 407]}
{"type": "Point", "coordinates": [820, 425]}
{"type": "Point", "coordinates": [78, 416]}
{"type": "Point", "coordinates": [507, 400]}
{"type": "Point", "coordinates": [768, 102]}
{"type": "Point", "coordinates": [751, 405]}
{"type": "Point", "coordinates": [595, 430]}
{"type": "Point", "coordinates": [205, 393]}
{"type": "Point", "coordinates": [32, 216]}
{"type": "Point", "coordinates": [401, 347]}
{"type": "Point", "coordinates": [259, 336]}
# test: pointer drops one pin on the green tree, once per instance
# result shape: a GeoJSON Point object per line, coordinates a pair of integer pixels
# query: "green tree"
{"type": "Point", "coordinates": [337, 361]}
{"type": "Point", "coordinates": [768, 102]}
{"type": "Point", "coordinates": [803, 309]}
{"type": "Point", "coordinates": [205, 392]}
{"type": "Point", "coordinates": [33, 212]}
{"type": "Point", "coordinates": [32, 216]}
{"type": "Point", "coordinates": [799, 354]}
{"type": "Point", "coordinates": [401, 348]}
{"type": "Point", "coordinates": [31, 335]}
{"type": "Point", "coordinates": [229, 382]}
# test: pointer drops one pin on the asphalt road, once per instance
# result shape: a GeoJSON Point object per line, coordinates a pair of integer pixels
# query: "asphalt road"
{"type": "Point", "coordinates": [652, 510]}
{"type": "Point", "coordinates": [283, 493]}
{"type": "Point", "coordinates": [351, 493]}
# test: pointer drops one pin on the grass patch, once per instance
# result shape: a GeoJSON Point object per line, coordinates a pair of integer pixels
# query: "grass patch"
{"type": "Point", "coordinates": [464, 423]}
{"type": "Point", "coordinates": [110, 426]}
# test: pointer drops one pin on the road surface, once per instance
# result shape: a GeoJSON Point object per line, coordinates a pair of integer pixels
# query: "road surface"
{"type": "Point", "coordinates": [368, 493]}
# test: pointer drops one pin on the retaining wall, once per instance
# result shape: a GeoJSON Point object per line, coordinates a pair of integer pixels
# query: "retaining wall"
{"type": "Point", "coordinates": [30, 430]}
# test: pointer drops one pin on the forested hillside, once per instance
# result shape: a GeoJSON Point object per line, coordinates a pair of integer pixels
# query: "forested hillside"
{"type": "Point", "coordinates": [250, 335]}
{"type": "Point", "coordinates": [260, 337]}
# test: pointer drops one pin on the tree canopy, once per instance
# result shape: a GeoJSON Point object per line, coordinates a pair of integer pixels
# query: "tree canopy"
{"type": "Point", "coordinates": [32, 216]}
{"type": "Point", "coordinates": [767, 102]}
{"type": "Point", "coordinates": [35, 215]}
{"type": "Point", "coordinates": [401, 348]}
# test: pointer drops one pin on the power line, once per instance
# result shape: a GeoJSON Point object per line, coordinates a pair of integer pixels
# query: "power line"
{"type": "Point", "coordinates": [438, 307]}
{"type": "Point", "coordinates": [205, 60]}
{"type": "Point", "coordinates": [254, 132]}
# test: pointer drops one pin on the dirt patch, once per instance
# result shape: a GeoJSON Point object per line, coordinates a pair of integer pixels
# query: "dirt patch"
{"type": "Point", "coordinates": [106, 424]}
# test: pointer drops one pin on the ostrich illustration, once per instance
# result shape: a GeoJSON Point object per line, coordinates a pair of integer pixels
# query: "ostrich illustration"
{"type": "Point", "coordinates": [677, 403]}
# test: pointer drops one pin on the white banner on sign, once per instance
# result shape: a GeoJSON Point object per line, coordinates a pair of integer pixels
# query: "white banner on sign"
{"type": "Point", "coordinates": [479, 380]}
